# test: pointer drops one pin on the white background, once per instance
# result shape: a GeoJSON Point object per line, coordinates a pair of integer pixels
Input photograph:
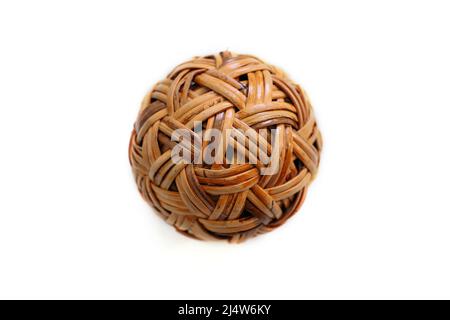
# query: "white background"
{"type": "Point", "coordinates": [375, 223]}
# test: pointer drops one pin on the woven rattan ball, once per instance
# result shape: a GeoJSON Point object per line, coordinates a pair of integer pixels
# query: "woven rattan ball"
{"type": "Point", "coordinates": [267, 126]}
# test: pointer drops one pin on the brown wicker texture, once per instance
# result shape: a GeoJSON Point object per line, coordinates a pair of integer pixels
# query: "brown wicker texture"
{"type": "Point", "coordinates": [226, 201]}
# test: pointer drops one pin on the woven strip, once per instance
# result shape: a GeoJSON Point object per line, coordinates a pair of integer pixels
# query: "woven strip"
{"type": "Point", "coordinates": [238, 93]}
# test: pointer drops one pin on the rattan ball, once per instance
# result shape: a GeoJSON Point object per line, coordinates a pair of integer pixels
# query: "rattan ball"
{"type": "Point", "coordinates": [225, 147]}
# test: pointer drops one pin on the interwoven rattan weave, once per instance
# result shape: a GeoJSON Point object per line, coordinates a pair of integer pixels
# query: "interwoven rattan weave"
{"type": "Point", "coordinates": [226, 201]}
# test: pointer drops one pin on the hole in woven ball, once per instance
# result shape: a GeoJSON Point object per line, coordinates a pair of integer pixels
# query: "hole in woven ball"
{"type": "Point", "coordinates": [316, 145]}
{"type": "Point", "coordinates": [245, 214]}
{"type": "Point", "coordinates": [287, 100]}
{"type": "Point", "coordinates": [243, 78]}
{"type": "Point", "coordinates": [193, 85]}
{"type": "Point", "coordinates": [298, 164]}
